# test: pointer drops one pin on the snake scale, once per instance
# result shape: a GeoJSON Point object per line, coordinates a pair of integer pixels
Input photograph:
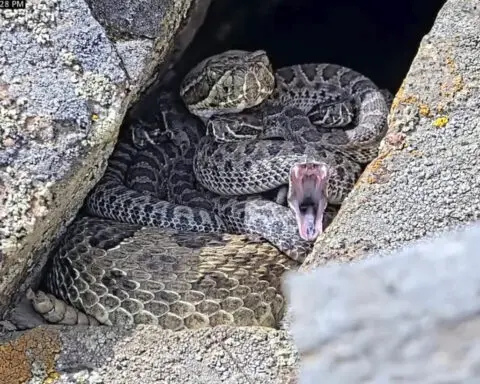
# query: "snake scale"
{"type": "Point", "coordinates": [152, 245]}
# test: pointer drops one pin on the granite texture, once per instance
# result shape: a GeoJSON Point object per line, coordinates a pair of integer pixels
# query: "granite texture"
{"type": "Point", "coordinates": [65, 86]}
{"type": "Point", "coordinates": [427, 176]}
{"type": "Point", "coordinates": [407, 317]}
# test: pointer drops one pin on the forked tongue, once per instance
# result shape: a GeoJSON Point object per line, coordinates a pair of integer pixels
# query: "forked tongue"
{"type": "Point", "coordinates": [308, 224]}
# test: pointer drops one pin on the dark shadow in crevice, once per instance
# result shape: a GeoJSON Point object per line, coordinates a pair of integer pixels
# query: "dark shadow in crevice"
{"type": "Point", "coordinates": [374, 37]}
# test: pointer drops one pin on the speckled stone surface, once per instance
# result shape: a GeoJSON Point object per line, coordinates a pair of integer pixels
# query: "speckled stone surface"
{"type": "Point", "coordinates": [64, 95]}
{"type": "Point", "coordinates": [149, 36]}
{"type": "Point", "coordinates": [427, 177]}
{"type": "Point", "coordinates": [404, 195]}
{"type": "Point", "coordinates": [64, 90]}
{"type": "Point", "coordinates": [221, 355]}
{"type": "Point", "coordinates": [409, 317]}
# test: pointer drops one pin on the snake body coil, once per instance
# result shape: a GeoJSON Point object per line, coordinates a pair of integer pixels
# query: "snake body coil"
{"type": "Point", "coordinates": [151, 247]}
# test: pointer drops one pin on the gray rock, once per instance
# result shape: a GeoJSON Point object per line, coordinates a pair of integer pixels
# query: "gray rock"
{"type": "Point", "coordinates": [64, 90]}
{"type": "Point", "coordinates": [64, 94]}
{"type": "Point", "coordinates": [413, 316]}
{"type": "Point", "coordinates": [400, 319]}
{"type": "Point", "coordinates": [427, 176]}
{"type": "Point", "coordinates": [150, 36]}
{"type": "Point", "coordinates": [409, 317]}
{"type": "Point", "coordinates": [148, 355]}
{"type": "Point", "coordinates": [121, 18]}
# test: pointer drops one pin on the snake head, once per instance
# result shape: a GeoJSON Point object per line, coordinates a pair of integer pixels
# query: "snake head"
{"type": "Point", "coordinates": [228, 82]}
{"type": "Point", "coordinates": [307, 197]}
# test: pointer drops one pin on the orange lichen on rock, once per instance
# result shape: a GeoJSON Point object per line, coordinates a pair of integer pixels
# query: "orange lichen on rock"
{"type": "Point", "coordinates": [37, 347]}
{"type": "Point", "coordinates": [375, 170]}
{"type": "Point", "coordinates": [400, 98]}
{"type": "Point", "coordinates": [424, 110]}
{"type": "Point", "coordinates": [453, 83]}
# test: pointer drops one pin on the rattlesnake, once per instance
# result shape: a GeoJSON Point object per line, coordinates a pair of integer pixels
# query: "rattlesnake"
{"type": "Point", "coordinates": [150, 182]}
{"type": "Point", "coordinates": [331, 117]}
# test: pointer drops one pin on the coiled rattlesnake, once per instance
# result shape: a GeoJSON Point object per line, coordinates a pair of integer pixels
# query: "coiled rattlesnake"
{"type": "Point", "coordinates": [150, 182]}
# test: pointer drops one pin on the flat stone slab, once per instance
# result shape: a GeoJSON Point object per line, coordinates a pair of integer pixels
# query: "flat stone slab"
{"type": "Point", "coordinates": [146, 355]}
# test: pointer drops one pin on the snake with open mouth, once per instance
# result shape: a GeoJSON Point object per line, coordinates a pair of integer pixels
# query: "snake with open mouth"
{"type": "Point", "coordinates": [194, 176]}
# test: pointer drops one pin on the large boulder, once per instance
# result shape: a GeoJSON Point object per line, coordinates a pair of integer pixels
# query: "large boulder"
{"type": "Point", "coordinates": [411, 316]}
{"type": "Point", "coordinates": [426, 177]}
{"type": "Point", "coordinates": [66, 82]}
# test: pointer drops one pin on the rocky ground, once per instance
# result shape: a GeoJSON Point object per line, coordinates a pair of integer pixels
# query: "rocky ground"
{"type": "Point", "coordinates": [425, 181]}
{"type": "Point", "coordinates": [147, 355]}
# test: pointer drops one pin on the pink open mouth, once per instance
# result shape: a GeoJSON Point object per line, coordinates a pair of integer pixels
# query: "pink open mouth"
{"type": "Point", "coordinates": [307, 197]}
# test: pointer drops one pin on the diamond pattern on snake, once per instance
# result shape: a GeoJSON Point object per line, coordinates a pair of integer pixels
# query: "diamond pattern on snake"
{"type": "Point", "coordinates": [174, 232]}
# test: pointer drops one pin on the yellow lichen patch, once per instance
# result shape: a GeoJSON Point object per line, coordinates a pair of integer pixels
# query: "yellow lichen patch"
{"type": "Point", "coordinates": [411, 99]}
{"type": "Point", "coordinates": [51, 378]}
{"type": "Point", "coordinates": [451, 83]}
{"type": "Point", "coordinates": [375, 164]}
{"type": "Point", "coordinates": [39, 346]}
{"type": "Point", "coordinates": [440, 122]}
{"type": "Point", "coordinates": [451, 87]}
{"type": "Point", "coordinates": [371, 179]}
{"type": "Point", "coordinates": [416, 153]}
{"type": "Point", "coordinates": [451, 64]}
{"type": "Point", "coordinates": [396, 98]}
{"type": "Point", "coordinates": [458, 83]}
{"type": "Point", "coordinates": [424, 110]}
{"type": "Point", "coordinates": [401, 98]}
{"type": "Point", "coordinates": [458, 79]}
{"type": "Point", "coordinates": [94, 117]}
